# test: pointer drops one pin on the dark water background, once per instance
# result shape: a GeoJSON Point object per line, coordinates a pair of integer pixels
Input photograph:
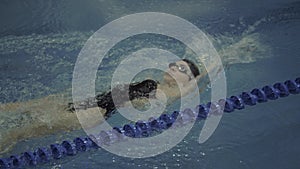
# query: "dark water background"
{"type": "Point", "coordinates": [40, 40]}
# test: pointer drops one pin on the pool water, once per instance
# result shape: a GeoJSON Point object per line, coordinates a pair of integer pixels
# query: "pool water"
{"type": "Point", "coordinates": [259, 41]}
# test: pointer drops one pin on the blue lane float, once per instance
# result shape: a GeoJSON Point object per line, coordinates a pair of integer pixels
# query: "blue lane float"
{"type": "Point", "coordinates": [153, 125]}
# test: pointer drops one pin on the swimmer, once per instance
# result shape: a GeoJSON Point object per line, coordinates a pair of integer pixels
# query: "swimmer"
{"type": "Point", "coordinates": [55, 113]}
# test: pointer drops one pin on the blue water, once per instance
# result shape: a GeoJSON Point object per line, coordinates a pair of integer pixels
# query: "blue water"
{"type": "Point", "coordinates": [40, 41]}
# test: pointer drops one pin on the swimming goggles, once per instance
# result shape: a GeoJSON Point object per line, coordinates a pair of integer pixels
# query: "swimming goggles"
{"type": "Point", "coordinates": [180, 68]}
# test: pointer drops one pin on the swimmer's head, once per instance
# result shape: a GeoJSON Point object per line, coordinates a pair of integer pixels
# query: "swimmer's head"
{"type": "Point", "coordinates": [194, 69]}
{"type": "Point", "coordinates": [183, 71]}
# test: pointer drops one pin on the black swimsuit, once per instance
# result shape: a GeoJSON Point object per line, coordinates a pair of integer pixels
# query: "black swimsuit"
{"type": "Point", "coordinates": [144, 89]}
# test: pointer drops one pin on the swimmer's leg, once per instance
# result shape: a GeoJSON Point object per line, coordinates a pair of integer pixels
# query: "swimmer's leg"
{"type": "Point", "coordinates": [34, 118]}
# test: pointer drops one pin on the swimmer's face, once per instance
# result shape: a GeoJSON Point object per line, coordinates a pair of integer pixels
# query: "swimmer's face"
{"type": "Point", "coordinates": [180, 71]}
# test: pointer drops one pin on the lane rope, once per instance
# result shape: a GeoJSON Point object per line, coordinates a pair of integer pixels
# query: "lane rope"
{"type": "Point", "coordinates": [152, 126]}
